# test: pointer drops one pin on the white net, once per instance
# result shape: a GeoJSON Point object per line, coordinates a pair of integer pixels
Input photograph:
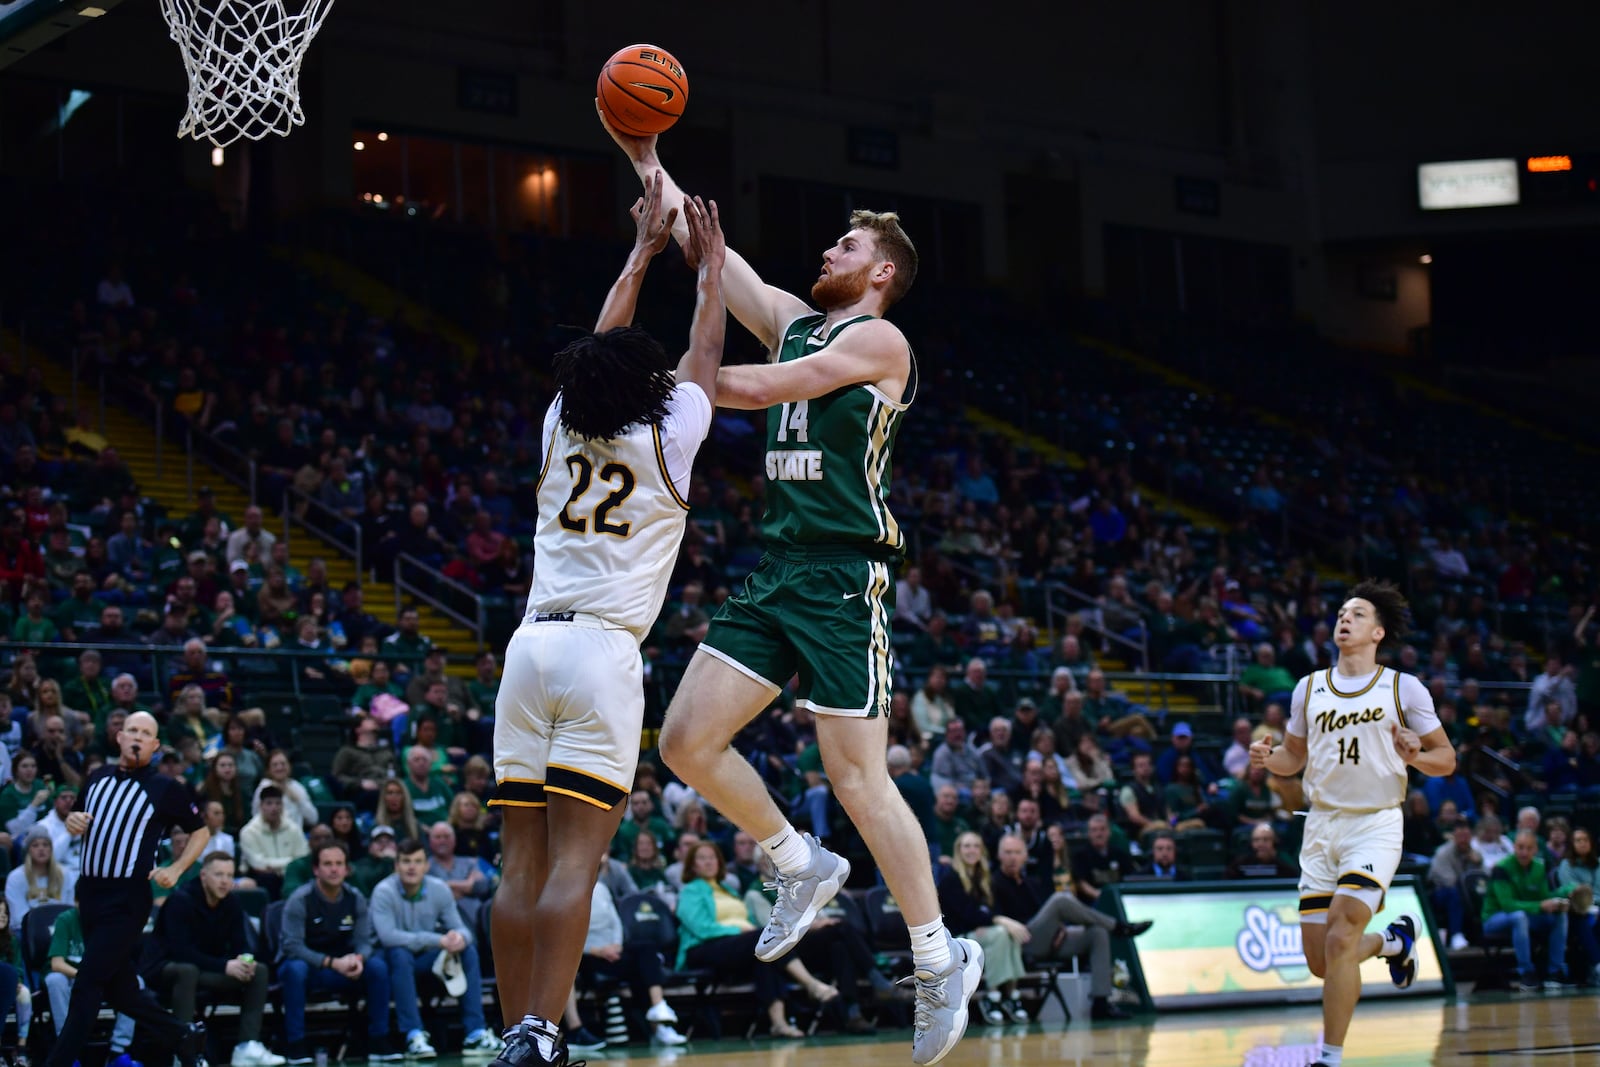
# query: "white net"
{"type": "Point", "coordinates": [243, 60]}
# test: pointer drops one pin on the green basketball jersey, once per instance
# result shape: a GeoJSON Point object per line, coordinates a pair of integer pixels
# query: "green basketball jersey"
{"type": "Point", "coordinates": [827, 463]}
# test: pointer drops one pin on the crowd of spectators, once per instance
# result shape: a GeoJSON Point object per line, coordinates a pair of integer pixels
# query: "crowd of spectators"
{"type": "Point", "coordinates": [998, 736]}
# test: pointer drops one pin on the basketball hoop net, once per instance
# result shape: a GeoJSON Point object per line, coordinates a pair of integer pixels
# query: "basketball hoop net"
{"type": "Point", "coordinates": [243, 60]}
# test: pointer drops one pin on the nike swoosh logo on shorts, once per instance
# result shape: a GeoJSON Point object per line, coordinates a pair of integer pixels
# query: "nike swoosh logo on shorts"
{"type": "Point", "coordinates": [851, 596]}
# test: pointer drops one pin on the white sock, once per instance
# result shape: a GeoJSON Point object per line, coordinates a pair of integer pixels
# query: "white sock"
{"type": "Point", "coordinates": [930, 947]}
{"type": "Point", "coordinates": [546, 1035]}
{"type": "Point", "coordinates": [1392, 944]}
{"type": "Point", "coordinates": [790, 851]}
{"type": "Point", "coordinates": [1332, 1055]}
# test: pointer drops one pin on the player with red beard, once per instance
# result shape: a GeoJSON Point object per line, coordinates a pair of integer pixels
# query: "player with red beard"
{"type": "Point", "coordinates": [836, 387]}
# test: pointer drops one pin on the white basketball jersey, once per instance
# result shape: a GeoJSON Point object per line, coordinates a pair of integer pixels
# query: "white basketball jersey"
{"type": "Point", "coordinates": [1351, 763]}
{"type": "Point", "coordinates": [611, 514]}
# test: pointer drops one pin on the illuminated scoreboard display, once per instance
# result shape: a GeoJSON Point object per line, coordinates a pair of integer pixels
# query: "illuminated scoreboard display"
{"type": "Point", "coordinates": [1508, 181]}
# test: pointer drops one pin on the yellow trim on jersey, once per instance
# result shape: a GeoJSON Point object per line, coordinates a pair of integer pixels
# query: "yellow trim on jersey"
{"type": "Point", "coordinates": [1363, 692]}
{"type": "Point", "coordinates": [602, 805]}
{"type": "Point", "coordinates": [519, 803]}
{"type": "Point", "coordinates": [666, 476]}
{"type": "Point", "coordinates": [1398, 709]}
{"type": "Point", "coordinates": [880, 423]}
{"type": "Point", "coordinates": [881, 684]}
{"type": "Point", "coordinates": [588, 774]}
{"type": "Point", "coordinates": [524, 781]}
{"type": "Point", "coordinates": [549, 451]}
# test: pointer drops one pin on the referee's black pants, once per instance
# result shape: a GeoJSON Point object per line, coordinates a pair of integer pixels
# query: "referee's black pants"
{"type": "Point", "coordinates": [112, 912]}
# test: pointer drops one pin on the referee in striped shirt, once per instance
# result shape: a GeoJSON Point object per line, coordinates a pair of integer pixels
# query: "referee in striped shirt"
{"type": "Point", "coordinates": [122, 814]}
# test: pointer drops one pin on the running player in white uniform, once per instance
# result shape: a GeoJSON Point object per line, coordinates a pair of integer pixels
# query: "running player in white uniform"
{"type": "Point", "coordinates": [1355, 729]}
{"type": "Point", "coordinates": [620, 439]}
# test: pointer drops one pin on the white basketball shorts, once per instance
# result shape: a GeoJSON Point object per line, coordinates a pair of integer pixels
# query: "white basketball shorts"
{"type": "Point", "coordinates": [1352, 855]}
{"type": "Point", "coordinates": [569, 713]}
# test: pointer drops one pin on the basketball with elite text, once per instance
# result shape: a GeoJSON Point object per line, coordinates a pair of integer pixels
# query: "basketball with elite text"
{"type": "Point", "coordinates": [642, 90]}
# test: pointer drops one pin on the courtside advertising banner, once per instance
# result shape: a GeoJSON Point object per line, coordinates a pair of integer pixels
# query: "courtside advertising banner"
{"type": "Point", "coordinates": [1229, 944]}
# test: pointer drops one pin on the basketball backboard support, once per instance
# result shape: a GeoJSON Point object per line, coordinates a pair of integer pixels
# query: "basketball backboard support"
{"type": "Point", "coordinates": [27, 25]}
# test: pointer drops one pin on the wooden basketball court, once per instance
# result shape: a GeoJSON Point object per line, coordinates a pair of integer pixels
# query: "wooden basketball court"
{"type": "Point", "coordinates": [1495, 1030]}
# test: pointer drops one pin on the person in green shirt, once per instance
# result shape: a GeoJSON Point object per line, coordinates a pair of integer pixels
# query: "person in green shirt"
{"type": "Point", "coordinates": [407, 646]}
{"type": "Point", "coordinates": [88, 692]}
{"type": "Point", "coordinates": [485, 688]}
{"type": "Point", "coordinates": [430, 794]}
{"type": "Point", "coordinates": [25, 793]}
{"type": "Point", "coordinates": [299, 872]}
{"type": "Point", "coordinates": [1520, 900]}
{"type": "Point", "coordinates": [378, 863]}
{"type": "Point", "coordinates": [380, 681]}
{"type": "Point", "coordinates": [1264, 680]}
{"type": "Point", "coordinates": [34, 627]}
{"type": "Point", "coordinates": [78, 616]}
{"type": "Point", "coordinates": [642, 819]}
{"type": "Point", "coordinates": [947, 821]}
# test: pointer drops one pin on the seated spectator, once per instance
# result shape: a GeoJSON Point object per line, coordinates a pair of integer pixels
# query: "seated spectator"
{"type": "Point", "coordinates": [1273, 723]}
{"type": "Point", "coordinates": [1421, 836]}
{"type": "Point", "coordinates": [1110, 713]}
{"type": "Point", "coordinates": [948, 824]}
{"type": "Point", "coordinates": [33, 627]}
{"type": "Point", "coordinates": [269, 842]}
{"type": "Point", "coordinates": [1142, 803]}
{"type": "Point", "coordinates": [88, 691]}
{"type": "Point", "coordinates": [415, 918]}
{"type": "Point", "coordinates": [328, 945]}
{"type": "Point", "coordinates": [298, 809]}
{"type": "Point", "coordinates": [1264, 681]}
{"type": "Point", "coordinates": [58, 761]}
{"type": "Point", "coordinates": [461, 874]}
{"type": "Point", "coordinates": [453, 723]}
{"type": "Point", "coordinates": [1060, 926]}
{"type": "Point", "coordinates": [956, 762]}
{"type": "Point", "coordinates": [205, 943]}
{"type": "Point", "coordinates": [66, 956]}
{"type": "Point", "coordinates": [715, 932]}
{"type": "Point", "coordinates": [40, 879]}
{"type": "Point", "coordinates": [221, 840]}
{"type": "Point", "coordinates": [68, 846]}
{"type": "Point", "coordinates": [913, 605]}
{"type": "Point", "coordinates": [222, 785]}
{"type": "Point", "coordinates": [646, 866]}
{"type": "Point", "coordinates": [1089, 767]}
{"type": "Point", "coordinates": [1577, 878]}
{"type": "Point", "coordinates": [1236, 758]}
{"type": "Point", "coordinates": [1164, 858]}
{"type": "Point", "coordinates": [966, 896]}
{"type": "Point", "coordinates": [1254, 802]}
{"type": "Point", "coordinates": [606, 957]}
{"type": "Point", "coordinates": [1263, 860]}
{"type": "Point", "coordinates": [1072, 657]}
{"type": "Point", "coordinates": [376, 862]}
{"type": "Point", "coordinates": [23, 800]}
{"type": "Point", "coordinates": [429, 793]}
{"type": "Point", "coordinates": [394, 809]}
{"type": "Point", "coordinates": [931, 705]}
{"type": "Point", "coordinates": [1520, 901]}
{"type": "Point", "coordinates": [1446, 873]}
{"type": "Point", "coordinates": [196, 670]}
{"type": "Point", "coordinates": [78, 617]}
{"type": "Point", "coordinates": [302, 870]}
{"type": "Point", "coordinates": [1099, 863]}
{"type": "Point", "coordinates": [1456, 787]}
{"type": "Point", "coordinates": [1000, 764]}
{"type": "Point", "coordinates": [379, 683]}
{"type": "Point", "coordinates": [935, 647]}
{"type": "Point", "coordinates": [1491, 841]}
{"type": "Point", "coordinates": [975, 698]}
{"type": "Point", "coordinates": [1183, 745]}
{"type": "Point", "coordinates": [359, 766]}
{"type": "Point", "coordinates": [641, 818]}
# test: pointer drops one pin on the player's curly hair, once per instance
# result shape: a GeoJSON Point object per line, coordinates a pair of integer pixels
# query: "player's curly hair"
{"type": "Point", "coordinates": [611, 380]}
{"type": "Point", "coordinates": [1394, 612]}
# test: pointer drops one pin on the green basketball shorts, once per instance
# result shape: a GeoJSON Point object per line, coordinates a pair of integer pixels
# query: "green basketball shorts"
{"type": "Point", "coordinates": [820, 614]}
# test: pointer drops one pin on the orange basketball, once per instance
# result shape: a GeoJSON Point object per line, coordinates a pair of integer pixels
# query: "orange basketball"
{"type": "Point", "coordinates": [642, 90]}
